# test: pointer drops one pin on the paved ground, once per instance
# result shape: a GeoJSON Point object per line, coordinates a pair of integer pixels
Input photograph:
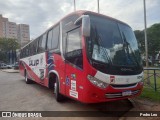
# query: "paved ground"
{"type": "Point", "coordinates": [15, 95]}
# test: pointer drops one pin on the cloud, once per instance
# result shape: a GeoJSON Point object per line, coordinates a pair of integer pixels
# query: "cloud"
{"type": "Point", "coordinates": [41, 14]}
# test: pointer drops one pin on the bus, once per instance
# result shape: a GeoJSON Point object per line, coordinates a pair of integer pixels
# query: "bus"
{"type": "Point", "coordinates": [86, 56]}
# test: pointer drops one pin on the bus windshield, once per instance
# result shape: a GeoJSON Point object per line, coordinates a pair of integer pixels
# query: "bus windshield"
{"type": "Point", "coordinates": [113, 43]}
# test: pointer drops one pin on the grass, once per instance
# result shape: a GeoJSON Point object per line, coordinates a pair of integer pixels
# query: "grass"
{"type": "Point", "coordinates": [149, 90]}
{"type": "Point", "coordinates": [150, 93]}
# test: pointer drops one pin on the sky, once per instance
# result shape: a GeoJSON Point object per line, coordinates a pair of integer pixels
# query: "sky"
{"type": "Point", "coordinates": [41, 14]}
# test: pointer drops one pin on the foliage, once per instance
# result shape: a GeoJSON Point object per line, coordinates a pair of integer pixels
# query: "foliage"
{"type": "Point", "coordinates": [6, 45]}
{"type": "Point", "coordinates": [150, 94]}
{"type": "Point", "coordinates": [153, 37]}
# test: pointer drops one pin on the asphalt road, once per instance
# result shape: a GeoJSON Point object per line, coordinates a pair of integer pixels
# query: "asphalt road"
{"type": "Point", "coordinates": [16, 95]}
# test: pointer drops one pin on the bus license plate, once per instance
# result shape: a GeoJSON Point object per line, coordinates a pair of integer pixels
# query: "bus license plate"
{"type": "Point", "coordinates": [126, 93]}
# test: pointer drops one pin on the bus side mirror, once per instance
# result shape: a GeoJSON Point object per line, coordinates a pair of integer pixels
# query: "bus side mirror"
{"type": "Point", "coordinates": [85, 21]}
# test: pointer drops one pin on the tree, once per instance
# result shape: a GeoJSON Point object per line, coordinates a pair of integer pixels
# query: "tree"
{"type": "Point", "coordinates": [153, 36]}
{"type": "Point", "coordinates": [154, 39]}
{"type": "Point", "coordinates": [6, 45]}
{"type": "Point", "coordinates": [140, 37]}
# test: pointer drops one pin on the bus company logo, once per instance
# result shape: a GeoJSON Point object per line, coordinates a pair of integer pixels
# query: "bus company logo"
{"type": "Point", "coordinates": [126, 69]}
{"type": "Point", "coordinates": [33, 62]}
{"type": "Point", "coordinates": [112, 79]}
{"type": "Point", "coordinates": [139, 77]}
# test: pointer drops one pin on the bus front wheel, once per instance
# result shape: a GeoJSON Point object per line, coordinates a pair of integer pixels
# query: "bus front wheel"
{"type": "Point", "coordinates": [58, 96]}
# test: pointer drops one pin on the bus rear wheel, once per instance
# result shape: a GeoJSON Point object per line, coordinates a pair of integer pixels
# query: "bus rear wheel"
{"type": "Point", "coordinates": [58, 96]}
{"type": "Point", "coordinates": [28, 81]}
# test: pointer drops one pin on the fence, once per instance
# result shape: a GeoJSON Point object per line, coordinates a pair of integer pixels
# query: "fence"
{"type": "Point", "coordinates": [152, 74]}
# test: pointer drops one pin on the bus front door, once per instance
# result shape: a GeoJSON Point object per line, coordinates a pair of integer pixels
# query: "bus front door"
{"type": "Point", "coordinates": [74, 64]}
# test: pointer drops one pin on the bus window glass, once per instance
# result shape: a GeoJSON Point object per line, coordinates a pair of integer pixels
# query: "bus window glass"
{"type": "Point", "coordinates": [74, 41]}
{"type": "Point", "coordinates": [34, 47]}
{"type": "Point", "coordinates": [55, 38]}
{"type": "Point", "coordinates": [49, 43]}
{"type": "Point", "coordinates": [39, 45]}
{"type": "Point", "coordinates": [43, 44]}
{"type": "Point", "coordinates": [74, 48]}
{"type": "Point", "coordinates": [29, 49]}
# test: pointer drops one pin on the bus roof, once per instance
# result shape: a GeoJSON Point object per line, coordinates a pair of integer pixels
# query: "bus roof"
{"type": "Point", "coordinates": [79, 12]}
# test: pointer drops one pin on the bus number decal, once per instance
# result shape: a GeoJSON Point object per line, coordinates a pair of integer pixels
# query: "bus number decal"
{"type": "Point", "coordinates": [73, 85]}
{"type": "Point", "coordinates": [72, 91]}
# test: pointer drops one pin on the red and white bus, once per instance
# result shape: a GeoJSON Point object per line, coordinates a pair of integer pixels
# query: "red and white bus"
{"type": "Point", "coordinates": [86, 56]}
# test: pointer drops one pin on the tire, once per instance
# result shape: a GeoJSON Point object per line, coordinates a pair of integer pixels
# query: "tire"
{"type": "Point", "coordinates": [58, 96]}
{"type": "Point", "coordinates": [28, 81]}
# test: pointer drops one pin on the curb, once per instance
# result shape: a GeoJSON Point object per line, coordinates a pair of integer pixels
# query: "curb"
{"type": "Point", "coordinates": [10, 71]}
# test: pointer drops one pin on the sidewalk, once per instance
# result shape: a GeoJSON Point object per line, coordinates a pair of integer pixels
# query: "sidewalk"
{"type": "Point", "coordinates": [10, 70]}
{"type": "Point", "coordinates": [143, 105]}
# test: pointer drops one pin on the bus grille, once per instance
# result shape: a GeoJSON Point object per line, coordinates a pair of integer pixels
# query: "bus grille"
{"type": "Point", "coordinates": [118, 95]}
{"type": "Point", "coordinates": [124, 86]}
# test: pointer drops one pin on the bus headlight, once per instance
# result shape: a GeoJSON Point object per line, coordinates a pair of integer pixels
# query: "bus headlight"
{"type": "Point", "coordinates": [141, 82]}
{"type": "Point", "coordinates": [97, 82]}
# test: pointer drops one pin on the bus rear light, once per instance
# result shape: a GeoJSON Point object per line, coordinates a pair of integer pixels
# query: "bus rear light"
{"type": "Point", "coordinates": [97, 82]}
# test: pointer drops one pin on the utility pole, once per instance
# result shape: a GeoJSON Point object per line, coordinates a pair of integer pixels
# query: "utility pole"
{"type": "Point", "coordinates": [145, 36]}
{"type": "Point", "coordinates": [74, 5]}
{"type": "Point", "coordinates": [98, 5]}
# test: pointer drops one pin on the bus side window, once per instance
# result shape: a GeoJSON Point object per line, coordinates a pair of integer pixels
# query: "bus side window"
{"type": "Point", "coordinates": [53, 38]}
{"type": "Point", "coordinates": [34, 47]}
{"type": "Point", "coordinates": [49, 42]}
{"type": "Point", "coordinates": [29, 50]}
{"type": "Point", "coordinates": [74, 48]}
{"type": "Point", "coordinates": [37, 44]}
{"type": "Point", "coordinates": [39, 50]}
{"type": "Point", "coordinates": [43, 44]}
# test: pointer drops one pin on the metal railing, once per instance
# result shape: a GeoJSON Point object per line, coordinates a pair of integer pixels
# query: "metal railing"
{"type": "Point", "coordinates": [152, 72]}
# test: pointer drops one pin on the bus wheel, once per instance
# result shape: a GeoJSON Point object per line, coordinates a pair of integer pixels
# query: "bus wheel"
{"type": "Point", "coordinates": [28, 81]}
{"type": "Point", "coordinates": [58, 96]}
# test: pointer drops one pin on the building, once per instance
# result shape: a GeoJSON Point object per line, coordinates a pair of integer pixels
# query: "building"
{"type": "Point", "coordinates": [15, 31]}
{"type": "Point", "coordinates": [3, 26]}
{"type": "Point", "coordinates": [23, 34]}
{"type": "Point", "coordinates": [7, 29]}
